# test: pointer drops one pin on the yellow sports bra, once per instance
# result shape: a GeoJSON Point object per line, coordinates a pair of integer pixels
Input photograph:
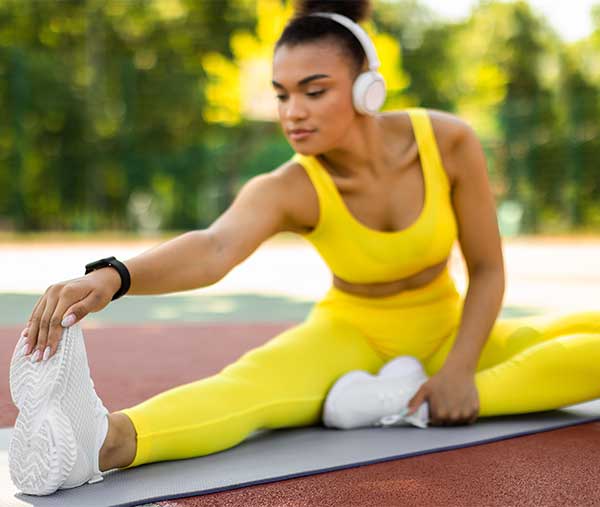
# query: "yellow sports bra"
{"type": "Point", "coordinates": [358, 254]}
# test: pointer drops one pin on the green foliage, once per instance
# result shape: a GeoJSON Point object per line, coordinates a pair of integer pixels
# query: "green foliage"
{"type": "Point", "coordinates": [103, 99]}
{"type": "Point", "coordinates": [139, 114]}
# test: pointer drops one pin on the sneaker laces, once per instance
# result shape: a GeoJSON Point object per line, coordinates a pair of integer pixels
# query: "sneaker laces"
{"type": "Point", "coordinates": [393, 419]}
{"type": "Point", "coordinates": [389, 399]}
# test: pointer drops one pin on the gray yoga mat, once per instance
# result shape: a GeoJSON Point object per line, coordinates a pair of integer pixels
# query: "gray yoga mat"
{"type": "Point", "coordinates": [269, 456]}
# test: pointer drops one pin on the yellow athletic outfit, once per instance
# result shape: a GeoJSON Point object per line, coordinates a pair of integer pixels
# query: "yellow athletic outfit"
{"type": "Point", "coordinates": [527, 364]}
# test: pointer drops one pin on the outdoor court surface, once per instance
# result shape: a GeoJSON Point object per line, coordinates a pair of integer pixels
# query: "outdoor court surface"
{"type": "Point", "coordinates": [142, 345]}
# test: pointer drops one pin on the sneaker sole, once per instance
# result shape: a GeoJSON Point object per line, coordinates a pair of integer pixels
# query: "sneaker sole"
{"type": "Point", "coordinates": [42, 450]}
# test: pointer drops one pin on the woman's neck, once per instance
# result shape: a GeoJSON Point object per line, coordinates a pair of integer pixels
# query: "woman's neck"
{"type": "Point", "coordinates": [361, 150]}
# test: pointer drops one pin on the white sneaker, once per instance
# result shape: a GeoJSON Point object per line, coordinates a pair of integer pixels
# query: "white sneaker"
{"type": "Point", "coordinates": [62, 422]}
{"type": "Point", "coordinates": [403, 366]}
{"type": "Point", "coordinates": [407, 367]}
{"type": "Point", "coordinates": [359, 399]}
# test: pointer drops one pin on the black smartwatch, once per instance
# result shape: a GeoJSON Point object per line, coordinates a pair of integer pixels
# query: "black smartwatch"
{"type": "Point", "coordinates": [121, 269]}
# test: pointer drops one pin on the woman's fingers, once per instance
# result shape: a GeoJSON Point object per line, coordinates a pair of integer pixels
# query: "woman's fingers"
{"type": "Point", "coordinates": [43, 322]}
{"type": "Point", "coordinates": [62, 305]}
{"type": "Point", "coordinates": [48, 322]}
{"type": "Point", "coordinates": [73, 312]}
{"type": "Point", "coordinates": [27, 332]}
{"type": "Point", "coordinates": [437, 420]}
{"type": "Point", "coordinates": [34, 325]}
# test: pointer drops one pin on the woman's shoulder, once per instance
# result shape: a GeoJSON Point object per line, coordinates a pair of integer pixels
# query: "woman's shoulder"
{"type": "Point", "coordinates": [448, 129]}
{"type": "Point", "coordinates": [291, 172]}
{"type": "Point", "coordinates": [301, 199]}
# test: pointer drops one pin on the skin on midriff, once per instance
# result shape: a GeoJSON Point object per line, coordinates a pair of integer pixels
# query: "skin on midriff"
{"type": "Point", "coordinates": [382, 289]}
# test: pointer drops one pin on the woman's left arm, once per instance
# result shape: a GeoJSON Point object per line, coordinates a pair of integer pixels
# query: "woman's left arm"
{"type": "Point", "coordinates": [480, 243]}
{"type": "Point", "coordinates": [451, 391]}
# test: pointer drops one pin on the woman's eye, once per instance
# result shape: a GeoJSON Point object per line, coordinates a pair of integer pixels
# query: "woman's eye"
{"type": "Point", "coordinates": [281, 98]}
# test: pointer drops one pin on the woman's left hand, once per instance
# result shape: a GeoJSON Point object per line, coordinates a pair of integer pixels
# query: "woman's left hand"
{"type": "Point", "coordinates": [452, 397]}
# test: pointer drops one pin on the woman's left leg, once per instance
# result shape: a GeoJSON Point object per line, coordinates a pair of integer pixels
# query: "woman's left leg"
{"type": "Point", "coordinates": [535, 363]}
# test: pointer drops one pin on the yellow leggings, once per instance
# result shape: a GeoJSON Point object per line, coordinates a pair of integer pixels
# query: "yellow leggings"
{"type": "Point", "coordinates": [528, 364]}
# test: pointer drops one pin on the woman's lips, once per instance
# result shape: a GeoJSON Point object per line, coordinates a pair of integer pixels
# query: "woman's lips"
{"type": "Point", "coordinates": [298, 135]}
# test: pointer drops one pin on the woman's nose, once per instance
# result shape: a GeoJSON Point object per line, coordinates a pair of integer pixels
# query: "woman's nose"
{"type": "Point", "coordinates": [295, 109]}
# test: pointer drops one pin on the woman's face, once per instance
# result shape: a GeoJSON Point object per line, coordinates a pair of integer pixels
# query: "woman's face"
{"type": "Point", "coordinates": [313, 83]}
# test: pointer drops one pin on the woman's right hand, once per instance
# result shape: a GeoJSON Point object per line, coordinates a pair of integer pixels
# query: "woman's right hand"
{"type": "Point", "coordinates": [65, 303]}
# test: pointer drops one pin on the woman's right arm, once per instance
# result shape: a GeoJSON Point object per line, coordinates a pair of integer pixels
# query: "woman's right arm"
{"type": "Point", "coordinates": [192, 260]}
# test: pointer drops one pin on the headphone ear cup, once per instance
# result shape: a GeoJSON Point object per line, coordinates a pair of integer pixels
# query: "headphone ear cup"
{"type": "Point", "coordinates": [368, 92]}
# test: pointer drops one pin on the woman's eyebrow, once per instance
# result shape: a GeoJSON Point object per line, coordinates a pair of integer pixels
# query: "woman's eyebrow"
{"type": "Point", "coordinates": [303, 80]}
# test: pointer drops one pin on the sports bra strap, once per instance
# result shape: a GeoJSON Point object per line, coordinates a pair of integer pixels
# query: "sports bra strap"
{"type": "Point", "coordinates": [428, 147]}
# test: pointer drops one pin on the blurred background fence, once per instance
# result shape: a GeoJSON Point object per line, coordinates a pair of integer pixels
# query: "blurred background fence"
{"type": "Point", "coordinates": [148, 115]}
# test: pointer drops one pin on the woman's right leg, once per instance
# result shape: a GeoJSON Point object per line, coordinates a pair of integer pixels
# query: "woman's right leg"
{"type": "Point", "coordinates": [282, 383]}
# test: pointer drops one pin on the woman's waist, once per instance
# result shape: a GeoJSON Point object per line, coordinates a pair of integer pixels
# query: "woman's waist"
{"type": "Point", "coordinates": [423, 316]}
{"type": "Point", "coordinates": [393, 287]}
{"type": "Point", "coordinates": [440, 287]}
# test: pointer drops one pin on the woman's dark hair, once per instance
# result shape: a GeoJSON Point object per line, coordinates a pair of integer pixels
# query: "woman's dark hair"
{"type": "Point", "coordinates": [303, 28]}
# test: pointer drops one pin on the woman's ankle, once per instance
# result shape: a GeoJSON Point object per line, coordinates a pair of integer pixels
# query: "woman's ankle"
{"type": "Point", "coordinates": [120, 445]}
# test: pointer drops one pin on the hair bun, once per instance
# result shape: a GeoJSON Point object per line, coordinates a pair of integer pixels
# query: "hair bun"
{"type": "Point", "coordinates": [356, 10]}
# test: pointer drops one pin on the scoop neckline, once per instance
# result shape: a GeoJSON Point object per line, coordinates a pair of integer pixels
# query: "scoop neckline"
{"type": "Point", "coordinates": [355, 220]}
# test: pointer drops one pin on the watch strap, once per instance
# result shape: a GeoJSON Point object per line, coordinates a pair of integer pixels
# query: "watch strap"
{"type": "Point", "coordinates": [121, 269]}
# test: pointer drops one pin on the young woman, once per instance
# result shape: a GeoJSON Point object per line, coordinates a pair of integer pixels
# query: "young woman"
{"type": "Point", "coordinates": [383, 197]}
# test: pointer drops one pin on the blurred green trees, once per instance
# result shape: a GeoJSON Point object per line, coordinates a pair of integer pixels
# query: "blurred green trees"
{"type": "Point", "coordinates": [150, 114]}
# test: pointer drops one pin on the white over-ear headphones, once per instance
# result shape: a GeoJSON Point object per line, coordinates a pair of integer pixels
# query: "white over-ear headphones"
{"type": "Point", "coordinates": [368, 90]}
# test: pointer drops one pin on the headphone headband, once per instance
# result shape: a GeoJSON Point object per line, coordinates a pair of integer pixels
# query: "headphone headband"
{"type": "Point", "coordinates": [358, 32]}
